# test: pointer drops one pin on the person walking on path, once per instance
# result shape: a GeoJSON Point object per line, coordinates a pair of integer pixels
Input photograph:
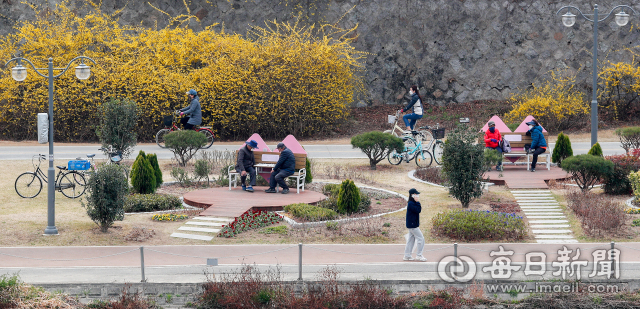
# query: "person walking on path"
{"type": "Point", "coordinates": [413, 224]}
{"type": "Point", "coordinates": [538, 143]}
{"type": "Point", "coordinates": [245, 164]}
{"type": "Point", "coordinates": [284, 168]}
{"type": "Point", "coordinates": [492, 141]}
{"type": "Point", "coordinates": [416, 104]}
{"type": "Point", "coordinates": [193, 112]}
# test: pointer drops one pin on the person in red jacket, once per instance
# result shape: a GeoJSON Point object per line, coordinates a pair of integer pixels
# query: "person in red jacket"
{"type": "Point", "coordinates": [492, 140]}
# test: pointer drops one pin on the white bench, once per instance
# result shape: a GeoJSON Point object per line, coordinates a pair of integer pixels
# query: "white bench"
{"type": "Point", "coordinates": [266, 160]}
{"type": "Point", "coordinates": [517, 141]}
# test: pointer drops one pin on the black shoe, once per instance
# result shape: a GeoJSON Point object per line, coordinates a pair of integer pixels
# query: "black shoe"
{"type": "Point", "coordinates": [270, 190]}
{"type": "Point", "coordinates": [285, 191]}
{"type": "Point", "coordinates": [533, 170]}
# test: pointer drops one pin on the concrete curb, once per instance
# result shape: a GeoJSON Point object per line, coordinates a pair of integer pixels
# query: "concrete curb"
{"type": "Point", "coordinates": [295, 224]}
{"type": "Point", "coordinates": [411, 174]}
{"type": "Point", "coordinates": [629, 203]}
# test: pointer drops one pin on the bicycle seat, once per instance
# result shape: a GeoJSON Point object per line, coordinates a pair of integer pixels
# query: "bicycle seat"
{"type": "Point", "coordinates": [61, 167]}
{"type": "Point", "coordinates": [91, 155]}
{"type": "Point", "coordinates": [424, 128]}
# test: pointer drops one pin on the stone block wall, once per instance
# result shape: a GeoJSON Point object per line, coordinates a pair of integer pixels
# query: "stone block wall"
{"type": "Point", "coordinates": [455, 50]}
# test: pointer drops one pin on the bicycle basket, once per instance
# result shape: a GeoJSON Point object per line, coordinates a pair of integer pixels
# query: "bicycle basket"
{"type": "Point", "coordinates": [438, 133]}
{"type": "Point", "coordinates": [391, 119]}
{"type": "Point", "coordinates": [167, 121]}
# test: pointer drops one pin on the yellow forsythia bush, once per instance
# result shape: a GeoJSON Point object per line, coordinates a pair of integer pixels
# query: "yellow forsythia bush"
{"type": "Point", "coordinates": [282, 79]}
{"type": "Point", "coordinates": [620, 88]}
{"type": "Point", "coordinates": [556, 104]}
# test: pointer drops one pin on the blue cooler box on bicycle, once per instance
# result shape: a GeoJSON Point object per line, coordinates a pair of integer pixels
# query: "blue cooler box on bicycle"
{"type": "Point", "coordinates": [78, 165]}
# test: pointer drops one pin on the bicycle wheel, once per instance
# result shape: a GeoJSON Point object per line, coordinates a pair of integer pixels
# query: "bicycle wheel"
{"type": "Point", "coordinates": [28, 185]}
{"type": "Point", "coordinates": [210, 138]}
{"type": "Point", "coordinates": [424, 158]}
{"type": "Point", "coordinates": [438, 150]}
{"type": "Point", "coordinates": [394, 157]}
{"type": "Point", "coordinates": [392, 132]}
{"type": "Point", "coordinates": [72, 184]}
{"type": "Point", "coordinates": [160, 137]}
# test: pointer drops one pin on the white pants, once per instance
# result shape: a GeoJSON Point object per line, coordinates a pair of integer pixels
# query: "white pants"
{"type": "Point", "coordinates": [414, 235]}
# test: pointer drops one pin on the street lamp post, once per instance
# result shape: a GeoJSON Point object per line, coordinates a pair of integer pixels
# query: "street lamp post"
{"type": "Point", "coordinates": [19, 73]}
{"type": "Point", "coordinates": [568, 19]}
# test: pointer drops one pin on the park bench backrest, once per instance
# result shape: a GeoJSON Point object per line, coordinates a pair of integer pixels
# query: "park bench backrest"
{"type": "Point", "coordinates": [272, 157]}
{"type": "Point", "coordinates": [517, 146]}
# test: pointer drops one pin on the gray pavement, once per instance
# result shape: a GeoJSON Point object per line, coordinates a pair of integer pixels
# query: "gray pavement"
{"type": "Point", "coordinates": [315, 151]}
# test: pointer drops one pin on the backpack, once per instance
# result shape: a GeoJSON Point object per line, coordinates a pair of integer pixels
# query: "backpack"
{"type": "Point", "coordinates": [505, 145]}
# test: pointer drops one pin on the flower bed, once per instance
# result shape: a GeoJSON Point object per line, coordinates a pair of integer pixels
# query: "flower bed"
{"type": "Point", "coordinates": [151, 202]}
{"type": "Point", "coordinates": [169, 217]}
{"type": "Point", "coordinates": [248, 221]}
{"type": "Point", "coordinates": [472, 225]}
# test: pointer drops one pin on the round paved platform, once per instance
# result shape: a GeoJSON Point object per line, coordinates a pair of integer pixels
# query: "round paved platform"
{"type": "Point", "coordinates": [222, 202]}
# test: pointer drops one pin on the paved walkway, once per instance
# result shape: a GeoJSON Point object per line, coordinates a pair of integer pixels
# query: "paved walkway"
{"type": "Point", "coordinates": [518, 177]}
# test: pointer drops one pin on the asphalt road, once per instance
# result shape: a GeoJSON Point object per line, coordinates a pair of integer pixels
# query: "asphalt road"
{"type": "Point", "coordinates": [314, 151]}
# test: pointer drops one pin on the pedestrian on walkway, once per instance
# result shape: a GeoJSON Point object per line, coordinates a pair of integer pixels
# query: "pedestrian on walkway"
{"type": "Point", "coordinates": [538, 143]}
{"type": "Point", "coordinates": [413, 224]}
{"type": "Point", "coordinates": [245, 164]}
{"type": "Point", "coordinates": [416, 104]}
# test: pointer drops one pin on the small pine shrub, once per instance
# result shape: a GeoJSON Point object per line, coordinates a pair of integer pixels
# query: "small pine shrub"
{"type": "Point", "coordinates": [629, 138]}
{"type": "Point", "coordinates": [310, 212]}
{"type": "Point", "coordinates": [153, 159]}
{"type": "Point", "coordinates": [348, 198]}
{"type": "Point", "coordinates": [587, 170]}
{"type": "Point", "coordinates": [118, 122]}
{"type": "Point", "coordinates": [377, 145]}
{"type": "Point", "coordinates": [464, 164]}
{"type": "Point", "coordinates": [595, 150]}
{"type": "Point", "coordinates": [634, 179]}
{"type": "Point", "coordinates": [562, 149]}
{"type": "Point", "coordinates": [618, 181]}
{"type": "Point", "coordinates": [143, 176]}
{"type": "Point", "coordinates": [184, 144]}
{"type": "Point", "coordinates": [107, 189]}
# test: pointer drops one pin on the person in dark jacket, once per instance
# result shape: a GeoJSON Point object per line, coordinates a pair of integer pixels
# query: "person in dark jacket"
{"type": "Point", "coordinates": [284, 168]}
{"type": "Point", "coordinates": [193, 112]}
{"type": "Point", "coordinates": [413, 224]}
{"type": "Point", "coordinates": [245, 164]}
{"type": "Point", "coordinates": [538, 143]}
{"type": "Point", "coordinates": [492, 141]}
{"type": "Point", "coordinates": [416, 104]}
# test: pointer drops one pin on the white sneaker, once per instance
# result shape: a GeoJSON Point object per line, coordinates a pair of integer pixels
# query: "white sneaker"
{"type": "Point", "coordinates": [407, 258]}
{"type": "Point", "coordinates": [421, 258]}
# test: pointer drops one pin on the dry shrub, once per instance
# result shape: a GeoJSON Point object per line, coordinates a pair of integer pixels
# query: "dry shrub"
{"type": "Point", "coordinates": [431, 174]}
{"type": "Point", "coordinates": [127, 300]}
{"type": "Point", "coordinates": [252, 289]}
{"type": "Point", "coordinates": [597, 212]}
{"type": "Point", "coordinates": [344, 172]}
{"type": "Point", "coordinates": [139, 234]}
{"type": "Point", "coordinates": [505, 207]}
{"type": "Point", "coordinates": [366, 230]}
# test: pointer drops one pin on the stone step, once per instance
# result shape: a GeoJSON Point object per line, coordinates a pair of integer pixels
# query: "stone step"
{"type": "Point", "coordinates": [212, 219]}
{"type": "Point", "coordinates": [538, 211]}
{"type": "Point", "coordinates": [554, 236]}
{"type": "Point", "coordinates": [198, 229]}
{"type": "Point", "coordinates": [532, 194]}
{"type": "Point", "coordinates": [539, 207]}
{"type": "Point", "coordinates": [217, 224]}
{"type": "Point", "coordinates": [191, 236]}
{"type": "Point", "coordinates": [557, 241]}
{"type": "Point", "coordinates": [539, 203]}
{"type": "Point", "coordinates": [536, 198]}
{"type": "Point", "coordinates": [547, 221]}
{"type": "Point", "coordinates": [546, 201]}
{"type": "Point", "coordinates": [546, 217]}
{"type": "Point", "coordinates": [551, 231]}
{"type": "Point", "coordinates": [531, 191]}
{"type": "Point", "coordinates": [549, 226]}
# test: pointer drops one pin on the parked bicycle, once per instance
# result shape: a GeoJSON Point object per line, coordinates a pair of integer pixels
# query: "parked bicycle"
{"type": "Point", "coordinates": [170, 126]}
{"type": "Point", "coordinates": [435, 145]}
{"type": "Point", "coordinates": [70, 183]}
{"type": "Point", "coordinates": [412, 150]}
{"type": "Point", "coordinates": [115, 156]}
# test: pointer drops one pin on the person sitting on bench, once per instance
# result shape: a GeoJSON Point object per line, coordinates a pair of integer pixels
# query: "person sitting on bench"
{"type": "Point", "coordinates": [492, 141]}
{"type": "Point", "coordinates": [245, 163]}
{"type": "Point", "coordinates": [284, 168]}
{"type": "Point", "coordinates": [538, 143]}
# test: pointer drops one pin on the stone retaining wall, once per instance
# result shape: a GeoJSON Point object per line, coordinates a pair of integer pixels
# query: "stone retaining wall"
{"type": "Point", "coordinates": [455, 50]}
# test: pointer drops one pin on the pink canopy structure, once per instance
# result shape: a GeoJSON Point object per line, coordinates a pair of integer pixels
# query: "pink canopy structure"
{"type": "Point", "coordinates": [499, 125]}
{"type": "Point", "coordinates": [523, 127]}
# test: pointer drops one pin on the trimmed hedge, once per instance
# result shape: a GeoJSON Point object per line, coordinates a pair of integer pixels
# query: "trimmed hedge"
{"type": "Point", "coordinates": [151, 202]}
{"type": "Point", "coordinates": [310, 212]}
{"type": "Point", "coordinates": [472, 225]}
